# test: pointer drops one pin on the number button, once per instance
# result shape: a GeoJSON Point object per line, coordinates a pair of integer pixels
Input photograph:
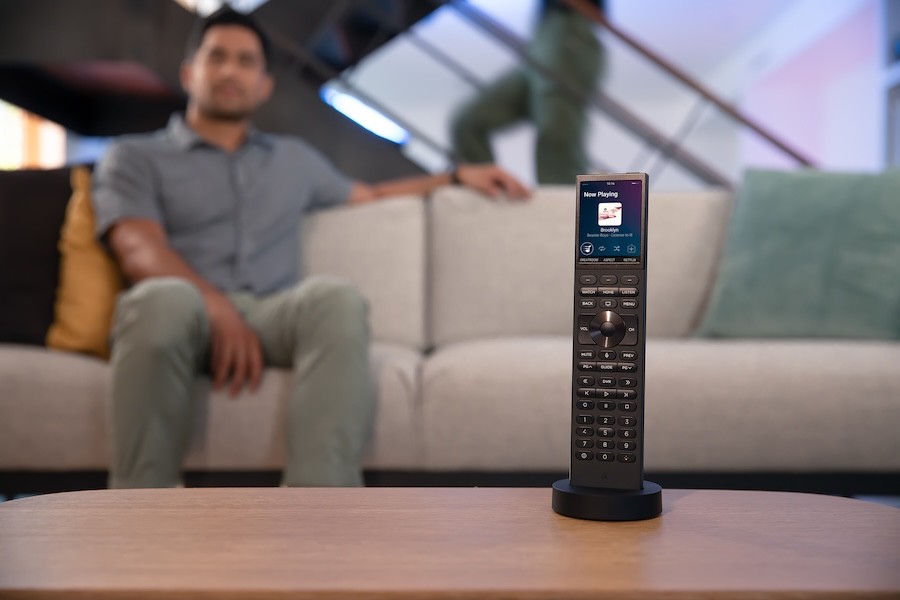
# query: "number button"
{"type": "Point", "coordinates": [605, 456]}
{"type": "Point", "coordinates": [606, 420]}
{"type": "Point", "coordinates": [628, 421]}
{"type": "Point", "coordinates": [585, 431]}
{"type": "Point", "coordinates": [606, 432]}
{"type": "Point", "coordinates": [587, 420]}
{"type": "Point", "coordinates": [605, 445]}
{"type": "Point", "coordinates": [628, 434]}
{"type": "Point", "coordinates": [584, 443]}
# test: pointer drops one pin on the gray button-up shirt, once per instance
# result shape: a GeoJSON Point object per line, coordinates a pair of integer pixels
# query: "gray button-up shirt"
{"type": "Point", "coordinates": [235, 218]}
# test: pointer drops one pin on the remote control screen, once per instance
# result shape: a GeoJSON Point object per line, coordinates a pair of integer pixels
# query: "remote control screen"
{"type": "Point", "coordinates": [609, 227]}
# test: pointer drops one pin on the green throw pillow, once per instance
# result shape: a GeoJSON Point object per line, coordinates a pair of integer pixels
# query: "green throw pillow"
{"type": "Point", "coordinates": [810, 254]}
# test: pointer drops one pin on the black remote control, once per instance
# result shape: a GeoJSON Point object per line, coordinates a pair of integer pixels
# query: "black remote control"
{"type": "Point", "coordinates": [609, 339]}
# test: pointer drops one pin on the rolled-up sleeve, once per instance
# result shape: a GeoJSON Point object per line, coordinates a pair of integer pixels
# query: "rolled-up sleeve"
{"type": "Point", "coordinates": [124, 186]}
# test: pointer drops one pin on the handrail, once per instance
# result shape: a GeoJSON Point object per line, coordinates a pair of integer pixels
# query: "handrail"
{"type": "Point", "coordinates": [304, 57]}
{"type": "Point", "coordinates": [638, 127]}
{"type": "Point", "coordinates": [593, 13]}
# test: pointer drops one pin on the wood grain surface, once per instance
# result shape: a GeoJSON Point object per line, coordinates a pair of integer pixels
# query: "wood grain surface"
{"type": "Point", "coordinates": [496, 543]}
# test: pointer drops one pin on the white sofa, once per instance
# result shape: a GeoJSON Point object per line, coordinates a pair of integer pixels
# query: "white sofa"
{"type": "Point", "coordinates": [471, 311]}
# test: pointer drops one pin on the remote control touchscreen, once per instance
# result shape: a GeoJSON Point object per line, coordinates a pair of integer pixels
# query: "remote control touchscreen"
{"type": "Point", "coordinates": [610, 228]}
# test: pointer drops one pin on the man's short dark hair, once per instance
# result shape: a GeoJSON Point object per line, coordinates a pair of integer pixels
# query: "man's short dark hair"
{"type": "Point", "coordinates": [228, 16]}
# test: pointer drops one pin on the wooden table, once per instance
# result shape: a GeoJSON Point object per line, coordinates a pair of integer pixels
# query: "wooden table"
{"type": "Point", "coordinates": [440, 543]}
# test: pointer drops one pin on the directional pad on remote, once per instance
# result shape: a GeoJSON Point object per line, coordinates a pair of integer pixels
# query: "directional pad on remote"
{"type": "Point", "coordinates": [607, 329]}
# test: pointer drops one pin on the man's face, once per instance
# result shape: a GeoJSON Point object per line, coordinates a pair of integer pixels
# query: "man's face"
{"type": "Point", "coordinates": [227, 77]}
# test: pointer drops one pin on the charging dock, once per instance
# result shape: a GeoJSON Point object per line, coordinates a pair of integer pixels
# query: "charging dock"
{"type": "Point", "coordinates": [607, 505]}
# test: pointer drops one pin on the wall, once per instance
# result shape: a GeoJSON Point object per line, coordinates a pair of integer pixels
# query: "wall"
{"type": "Point", "coordinates": [827, 100]}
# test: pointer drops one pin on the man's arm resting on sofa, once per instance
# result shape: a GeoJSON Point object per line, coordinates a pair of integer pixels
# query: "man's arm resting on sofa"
{"type": "Point", "coordinates": [142, 251]}
{"type": "Point", "coordinates": [488, 179]}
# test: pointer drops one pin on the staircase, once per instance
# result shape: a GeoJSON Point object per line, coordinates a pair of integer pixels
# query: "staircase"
{"type": "Point", "coordinates": [106, 67]}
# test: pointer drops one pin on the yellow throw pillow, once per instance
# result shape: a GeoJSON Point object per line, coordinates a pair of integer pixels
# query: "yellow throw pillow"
{"type": "Point", "coordinates": [89, 279]}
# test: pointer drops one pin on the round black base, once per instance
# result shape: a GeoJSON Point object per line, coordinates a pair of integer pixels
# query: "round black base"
{"type": "Point", "coordinates": [607, 505]}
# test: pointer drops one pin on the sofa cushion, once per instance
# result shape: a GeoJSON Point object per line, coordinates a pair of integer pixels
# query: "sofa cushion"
{"type": "Point", "coordinates": [505, 269]}
{"type": "Point", "coordinates": [501, 268]}
{"type": "Point", "coordinates": [685, 234]}
{"type": "Point", "coordinates": [32, 209]}
{"type": "Point", "coordinates": [89, 280]}
{"type": "Point", "coordinates": [498, 404]}
{"type": "Point", "coordinates": [772, 405]}
{"type": "Point", "coordinates": [248, 432]}
{"type": "Point", "coordinates": [53, 413]}
{"type": "Point", "coordinates": [380, 247]}
{"type": "Point", "coordinates": [811, 254]}
{"type": "Point", "coordinates": [64, 424]}
{"type": "Point", "coordinates": [764, 406]}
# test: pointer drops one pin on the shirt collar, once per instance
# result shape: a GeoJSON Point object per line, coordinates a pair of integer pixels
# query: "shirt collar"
{"type": "Point", "coordinates": [186, 138]}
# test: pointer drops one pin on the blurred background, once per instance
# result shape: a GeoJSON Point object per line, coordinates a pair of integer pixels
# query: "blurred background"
{"type": "Point", "coordinates": [694, 91]}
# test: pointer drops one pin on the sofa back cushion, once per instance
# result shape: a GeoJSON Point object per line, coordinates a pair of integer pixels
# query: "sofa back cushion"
{"type": "Point", "coordinates": [686, 231]}
{"type": "Point", "coordinates": [32, 209]}
{"type": "Point", "coordinates": [500, 268]}
{"type": "Point", "coordinates": [380, 247]}
{"type": "Point", "coordinates": [506, 269]}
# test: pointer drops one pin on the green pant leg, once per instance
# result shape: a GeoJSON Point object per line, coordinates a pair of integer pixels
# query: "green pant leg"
{"type": "Point", "coordinates": [561, 131]}
{"type": "Point", "coordinates": [160, 336]}
{"type": "Point", "coordinates": [320, 329]}
{"type": "Point", "coordinates": [565, 44]}
{"type": "Point", "coordinates": [495, 106]}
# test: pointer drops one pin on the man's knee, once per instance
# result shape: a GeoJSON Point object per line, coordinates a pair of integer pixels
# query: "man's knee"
{"type": "Point", "coordinates": [161, 312]}
{"type": "Point", "coordinates": [338, 298]}
{"type": "Point", "coordinates": [334, 304]}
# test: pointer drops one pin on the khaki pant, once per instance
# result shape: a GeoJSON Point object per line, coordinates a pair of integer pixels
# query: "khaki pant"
{"type": "Point", "coordinates": [161, 343]}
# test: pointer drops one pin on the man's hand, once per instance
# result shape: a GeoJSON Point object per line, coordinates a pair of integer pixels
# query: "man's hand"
{"type": "Point", "coordinates": [491, 180]}
{"type": "Point", "coordinates": [143, 251]}
{"type": "Point", "coordinates": [235, 351]}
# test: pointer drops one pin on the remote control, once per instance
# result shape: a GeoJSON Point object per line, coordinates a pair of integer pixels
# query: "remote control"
{"type": "Point", "coordinates": [609, 331]}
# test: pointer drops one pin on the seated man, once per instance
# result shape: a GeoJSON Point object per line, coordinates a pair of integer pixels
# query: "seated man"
{"type": "Point", "coordinates": [203, 217]}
